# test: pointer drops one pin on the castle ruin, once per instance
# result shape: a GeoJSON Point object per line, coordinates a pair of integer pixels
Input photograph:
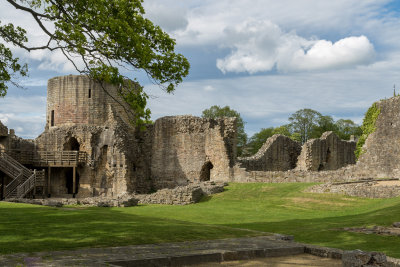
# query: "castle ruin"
{"type": "Point", "coordinates": [90, 148]}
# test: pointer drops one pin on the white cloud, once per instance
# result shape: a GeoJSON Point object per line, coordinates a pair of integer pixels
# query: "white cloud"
{"type": "Point", "coordinates": [259, 46]}
{"type": "Point", "coordinates": [169, 15]}
{"type": "Point", "coordinates": [207, 19]}
{"type": "Point", "coordinates": [268, 100]}
{"type": "Point", "coordinates": [325, 54]}
{"type": "Point", "coordinates": [27, 115]}
{"type": "Point", "coordinates": [33, 82]}
{"type": "Point", "coordinates": [209, 88]}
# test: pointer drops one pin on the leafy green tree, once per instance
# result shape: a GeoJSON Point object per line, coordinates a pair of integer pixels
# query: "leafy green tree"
{"type": "Point", "coordinates": [218, 112]}
{"type": "Point", "coordinates": [258, 139]}
{"type": "Point", "coordinates": [346, 128]}
{"type": "Point", "coordinates": [283, 130]}
{"type": "Point", "coordinates": [296, 137]}
{"type": "Point", "coordinates": [304, 122]}
{"type": "Point", "coordinates": [324, 124]}
{"type": "Point", "coordinates": [101, 36]}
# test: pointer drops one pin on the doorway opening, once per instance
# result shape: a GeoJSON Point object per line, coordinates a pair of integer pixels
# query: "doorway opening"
{"type": "Point", "coordinates": [205, 173]}
{"type": "Point", "coordinates": [69, 183]}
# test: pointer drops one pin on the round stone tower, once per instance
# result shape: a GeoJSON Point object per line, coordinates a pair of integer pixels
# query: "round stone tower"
{"type": "Point", "coordinates": [77, 100]}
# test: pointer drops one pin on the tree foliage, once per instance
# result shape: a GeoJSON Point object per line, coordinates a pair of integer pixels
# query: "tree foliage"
{"type": "Point", "coordinates": [218, 112]}
{"type": "Point", "coordinates": [323, 124]}
{"type": "Point", "coordinates": [99, 37]}
{"type": "Point", "coordinates": [303, 122]}
{"type": "Point", "coordinates": [309, 124]}
{"type": "Point", "coordinates": [347, 128]}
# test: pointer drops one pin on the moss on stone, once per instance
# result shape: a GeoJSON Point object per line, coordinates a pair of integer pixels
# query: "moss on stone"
{"type": "Point", "coordinates": [368, 127]}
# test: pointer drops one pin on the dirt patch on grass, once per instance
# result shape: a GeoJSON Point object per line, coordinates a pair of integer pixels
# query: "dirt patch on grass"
{"type": "Point", "coordinates": [267, 189]}
{"type": "Point", "coordinates": [377, 230]}
{"type": "Point", "coordinates": [300, 200]}
{"type": "Point", "coordinates": [370, 189]}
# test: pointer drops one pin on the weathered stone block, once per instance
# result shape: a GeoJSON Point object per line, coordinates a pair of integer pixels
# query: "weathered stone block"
{"type": "Point", "coordinates": [3, 130]}
{"type": "Point", "coordinates": [358, 258]}
{"type": "Point", "coordinates": [326, 153]}
{"type": "Point", "coordinates": [279, 153]}
{"type": "Point", "coordinates": [191, 149]}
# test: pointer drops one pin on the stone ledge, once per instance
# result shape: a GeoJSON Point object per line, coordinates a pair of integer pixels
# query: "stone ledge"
{"type": "Point", "coordinates": [180, 254]}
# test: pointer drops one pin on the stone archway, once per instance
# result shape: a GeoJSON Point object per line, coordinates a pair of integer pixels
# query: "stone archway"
{"type": "Point", "coordinates": [205, 173]}
{"type": "Point", "coordinates": [71, 144]}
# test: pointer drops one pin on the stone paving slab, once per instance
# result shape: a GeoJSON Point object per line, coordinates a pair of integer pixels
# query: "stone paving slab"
{"type": "Point", "coordinates": [167, 254]}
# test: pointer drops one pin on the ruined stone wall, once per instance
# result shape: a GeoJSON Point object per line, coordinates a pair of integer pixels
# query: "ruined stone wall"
{"type": "Point", "coordinates": [114, 165]}
{"type": "Point", "coordinates": [381, 157]}
{"type": "Point", "coordinates": [4, 140]}
{"type": "Point", "coordinates": [326, 153]}
{"type": "Point", "coordinates": [279, 153]}
{"type": "Point", "coordinates": [3, 130]}
{"type": "Point", "coordinates": [94, 119]}
{"type": "Point", "coordinates": [9, 141]}
{"type": "Point", "coordinates": [75, 99]}
{"type": "Point", "coordinates": [296, 176]}
{"type": "Point", "coordinates": [187, 148]}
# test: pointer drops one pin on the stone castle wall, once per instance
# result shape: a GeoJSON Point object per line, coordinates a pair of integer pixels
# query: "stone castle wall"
{"type": "Point", "coordinates": [3, 130]}
{"type": "Point", "coordinates": [8, 140]}
{"type": "Point", "coordinates": [75, 99]}
{"type": "Point", "coordinates": [189, 149]}
{"type": "Point", "coordinates": [279, 153]}
{"type": "Point", "coordinates": [178, 150]}
{"type": "Point", "coordinates": [295, 176]}
{"type": "Point", "coordinates": [381, 157]}
{"type": "Point", "coordinates": [114, 167]}
{"type": "Point", "coordinates": [123, 159]}
{"type": "Point", "coordinates": [328, 152]}
{"type": "Point", "coordinates": [93, 119]}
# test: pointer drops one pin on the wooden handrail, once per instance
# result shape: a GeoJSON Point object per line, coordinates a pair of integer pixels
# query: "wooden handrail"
{"type": "Point", "coordinates": [12, 186]}
{"type": "Point", "coordinates": [26, 186]}
{"type": "Point", "coordinates": [23, 179]}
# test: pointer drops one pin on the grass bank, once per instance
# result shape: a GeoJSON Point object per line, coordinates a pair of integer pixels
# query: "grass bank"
{"type": "Point", "coordinates": [279, 208]}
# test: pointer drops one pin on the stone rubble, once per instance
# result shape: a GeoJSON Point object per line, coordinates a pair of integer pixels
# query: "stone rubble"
{"type": "Point", "coordinates": [377, 230]}
{"type": "Point", "coordinates": [368, 189]}
{"type": "Point", "coordinates": [181, 195]}
{"type": "Point", "coordinates": [358, 258]}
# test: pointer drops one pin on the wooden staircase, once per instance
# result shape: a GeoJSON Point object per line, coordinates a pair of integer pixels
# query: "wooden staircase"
{"type": "Point", "coordinates": [23, 179]}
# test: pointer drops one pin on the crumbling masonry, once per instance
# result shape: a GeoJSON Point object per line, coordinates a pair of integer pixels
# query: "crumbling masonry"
{"type": "Point", "coordinates": [90, 148]}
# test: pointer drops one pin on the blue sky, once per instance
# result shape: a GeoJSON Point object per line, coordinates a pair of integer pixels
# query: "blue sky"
{"type": "Point", "coordinates": [264, 58]}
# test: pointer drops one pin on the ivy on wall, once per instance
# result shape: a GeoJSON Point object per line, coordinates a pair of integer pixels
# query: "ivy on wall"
{"type": "Point", "coordinates": [367, 127]}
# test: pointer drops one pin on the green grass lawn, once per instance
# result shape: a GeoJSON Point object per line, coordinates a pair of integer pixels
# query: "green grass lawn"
{"type": "Point", "coordinates": [278, 208]}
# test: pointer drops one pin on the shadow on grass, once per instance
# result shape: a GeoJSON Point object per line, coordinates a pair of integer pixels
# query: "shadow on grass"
{"type": "Point", "coordinates": [205, 199]}
{"type": "Point", "coordinates": [47, 229]}
{"type": "Point", "coordinates": [325, 231]}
